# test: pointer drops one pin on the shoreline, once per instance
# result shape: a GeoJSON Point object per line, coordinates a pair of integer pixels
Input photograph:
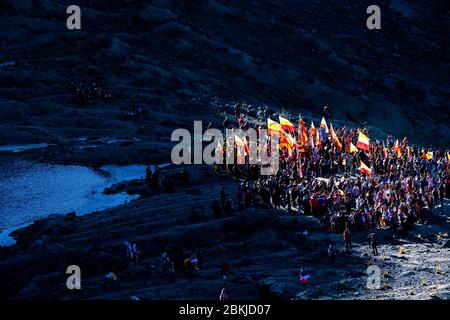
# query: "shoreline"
{"type": "Point", "coordinates": [110, 182]}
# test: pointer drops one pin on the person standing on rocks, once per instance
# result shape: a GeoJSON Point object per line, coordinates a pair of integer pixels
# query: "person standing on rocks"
{"type": "Point", "coordinates": [226, 124]}
{"type": "Point", "coordinates": [347, 239]}
{"type": "Point", "coordinates": [156, 180]}
{"type": "Point", "coordinates": [135, 256]}
{"type": "Point", "coordinates": [326, 110]}
{"type": "Point", "coordinates": [225, 271]}
{"type": "Point", "coordinates": [148, 177]}
{"type": "Point", "coordinates": [129, 250]}
{"type": "Point", "coordinates": [373, 243]}
{"type": "Point", "coordinates": [237, 110]}
{"type": "Point", "coordinates": [166, 262]}
{"type": "Point", "coordinates": [332, 253]}
{"type": "Point", "coordinates": [304, 276]}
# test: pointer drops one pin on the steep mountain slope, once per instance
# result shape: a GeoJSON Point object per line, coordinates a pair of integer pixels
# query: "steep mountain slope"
{"type": "Point", "coordinates": [181, 60]}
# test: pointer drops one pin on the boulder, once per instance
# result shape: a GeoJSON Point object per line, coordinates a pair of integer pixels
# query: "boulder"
{"type": "Point", "coordinates": [119, 47]}
{"type": "Point", "coordinates": [53, 225]}
{"type": "Point", "coordinates": [446, 244]}
{"type": "Point", "coordinates": [153, 16]}
{"type": "Point", "coordinates": [273, 289]}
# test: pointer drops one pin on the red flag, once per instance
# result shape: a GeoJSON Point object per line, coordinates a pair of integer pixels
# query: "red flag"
{"type": "Point", "coordinates": [335, 138]}
{"type": "Point", "coordinates": [302, 135]}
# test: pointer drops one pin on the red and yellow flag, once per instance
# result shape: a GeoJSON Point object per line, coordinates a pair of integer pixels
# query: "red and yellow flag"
{"type": "Point", "coordinates": [363, 142]}
{"type": "Point", "coordinates": [364, 168]}
{"type": "Point", "coordinates": [273, 127]}
{"type": "Point", "coordinates": [302, 135]}
{"type": "Point", "coordinates": [291, 140]}
{"type": "Point", "coordinates": [428, 155]}
{"type": "Point", "coordinates": [287, 141]}
{"type": "Point", "coordinates": [335, 138]}
{"type": "Point", "coordinates": [286, 124]}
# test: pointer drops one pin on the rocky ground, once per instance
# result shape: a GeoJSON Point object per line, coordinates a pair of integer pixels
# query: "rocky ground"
{"type": "Point", "coordinates": [192, 60]}
{"type": "Point", "coordinates": [265, 249]}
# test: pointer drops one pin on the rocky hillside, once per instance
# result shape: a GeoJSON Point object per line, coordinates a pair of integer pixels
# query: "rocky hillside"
{"type": "Point", "coordinates": [183, 59]}
{"type": "Point", "coordinates": [265, 249]}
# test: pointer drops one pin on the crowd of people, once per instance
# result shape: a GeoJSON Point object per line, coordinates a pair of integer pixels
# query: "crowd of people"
{"type": "Point", "coordinates": [324, 180]}
{"type": "Point", "coordinates": [157, 182]}
{"type": "Point", "coordinates": [84, 92]}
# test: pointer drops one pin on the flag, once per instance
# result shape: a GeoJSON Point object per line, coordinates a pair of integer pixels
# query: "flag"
{"type": "Point", "coordinates": [335, 138]}
{"type": "Point", "coordinates": [287, 141]}
{"type": "Point", "coordinates": [353, 149]}
{"type": "Point", "coordinates": [241, 143]}
{"type": "Point", "coordinates": [363, 142]}
{"type": "Point", "coordinates": [408, 152]}
{"type": "Point", "coordinates": [398, 148]}
{"type": "Point", "coordinates": [385, 151]}
{"type": "Point", "coordinates": [428, 155]}
{"type": "Point", "coordinates": [313, 128]}
{"type": "Point", "coordinates": [291, 140]}
{"type": "Point", "coordinates": [273, 127]}
{"type": "Point", "coordinates": [302, 135]}
{"type": "Point", "coordinates": [323, 124]}
{"type": "Point", "coordinates": [364, 168]}
{"type": "Point", "coordinates": [286, 124]}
